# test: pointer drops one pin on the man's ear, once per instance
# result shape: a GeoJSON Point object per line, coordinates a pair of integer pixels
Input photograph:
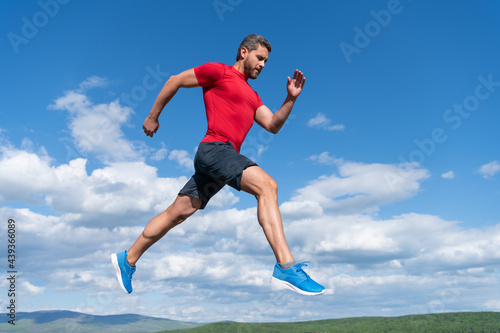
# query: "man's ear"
{"type": "Point", "coordinates": [244, 52]}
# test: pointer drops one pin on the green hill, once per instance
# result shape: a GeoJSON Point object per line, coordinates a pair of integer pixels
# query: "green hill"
{"type": "Point", "coordinates": [75, 322]}
{"type": "Point", "coordinates": [471, 322]}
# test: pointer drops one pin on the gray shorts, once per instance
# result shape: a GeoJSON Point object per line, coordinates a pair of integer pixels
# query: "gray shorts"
{"type": "Point", "coordinates": [216, 164]}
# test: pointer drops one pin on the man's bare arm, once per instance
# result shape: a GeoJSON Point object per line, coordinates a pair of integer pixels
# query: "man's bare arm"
{"type": "Point", "coordinates": [186, 79]}
{"type": "Point", "coordinates": [274, 122]}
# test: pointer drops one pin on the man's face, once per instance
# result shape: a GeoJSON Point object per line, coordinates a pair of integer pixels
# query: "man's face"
{"type": "Point", "coordinates": [255, 61]}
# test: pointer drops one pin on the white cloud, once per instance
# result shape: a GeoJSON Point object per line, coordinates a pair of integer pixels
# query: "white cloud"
{"type": "Point", "coordinates": [490, 169]}
{"type": "Point", "coordinates": [160, 154]}
{"type": "Point", "coordinates": [357, 255]}
{"type": "Point", "coordinates": [261, 151]}
{"type": "Point", "coordinates": [323, 158]}
{"type": "Point", "coordinates": [123, 189]}
{"type": "Point", "coordinates": [493, 305]}
{"type": "Point", "coordinates": [448, 175]}
{"type": "Point", "coordinates": [296, 209]}
{"type": "Point", "coordinates": [93, 82]}
{"type": "Point", "coordinates": [409, 244]}
{"type": "Point", "coordinates": [96, 128]}
{"type": "Point", "coordinates": [24, 176]}
{"type": "Point", "coordinates": [28, 288]}
{"type": "Point", "coordinates": [182, 157]}
{"type": "Point", "coordinates": [394, 266]}
{"type": "Point", "coordinates": [362, 187]}
{"type": "Point", "coordinates": [254, 151]}
{"type": "Point", "coordinates": [318, 121]}
{"type": "Point", "coordinates": [321, 121]}
{"type": "Point", "coordinates": [338, 127]}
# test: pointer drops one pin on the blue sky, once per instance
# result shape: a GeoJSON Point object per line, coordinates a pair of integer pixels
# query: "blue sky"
{"type": "Point", "coordinates": [388, 168]}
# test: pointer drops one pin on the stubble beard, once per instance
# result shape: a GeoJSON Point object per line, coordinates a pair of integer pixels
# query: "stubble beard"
{"type": "Point", "coordinates": [251, 72]}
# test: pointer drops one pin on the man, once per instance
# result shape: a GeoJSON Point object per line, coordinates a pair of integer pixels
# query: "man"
{"type": "Point", "coordinates": [231, 106]}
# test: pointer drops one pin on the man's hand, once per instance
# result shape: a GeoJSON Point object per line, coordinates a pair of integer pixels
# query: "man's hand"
{"type": "Point", "coordinates": [150, 126]}
{"type": "Point", "coordinates": [186, 79]}
{"type": "Point", "coordinates": [274, 122]}
{"type": "Point", "coordinates": [294, 86]}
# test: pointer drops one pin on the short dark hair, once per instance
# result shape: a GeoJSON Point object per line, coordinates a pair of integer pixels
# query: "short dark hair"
{"type": "Point", "coordinates": [251, 42]}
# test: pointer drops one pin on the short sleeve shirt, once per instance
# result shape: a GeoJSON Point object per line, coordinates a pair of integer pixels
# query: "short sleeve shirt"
{"type": "Point", "coordinates": [230, 103]}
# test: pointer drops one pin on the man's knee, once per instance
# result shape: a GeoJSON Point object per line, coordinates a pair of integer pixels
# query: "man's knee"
{"type": "Point", "coordinates": [183, 207]}
{"type": "Point", "coordinates": [268, 186]}
{"type": "Point", "coordinates": [257, 182]}
{"type": "Point", "coordinates": [272, 185]}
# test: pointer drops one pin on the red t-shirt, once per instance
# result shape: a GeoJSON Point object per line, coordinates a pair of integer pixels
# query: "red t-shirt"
{"type": "Point", "coordinates": [230, 103]}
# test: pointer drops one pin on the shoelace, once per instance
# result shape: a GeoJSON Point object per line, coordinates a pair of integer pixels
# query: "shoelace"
{"type": "Point", "coordinates": [299, 270]}
{"type": "Point", "coordinates": [132, 271]}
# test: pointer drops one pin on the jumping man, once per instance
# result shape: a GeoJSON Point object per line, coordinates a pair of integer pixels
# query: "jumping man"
{"type": "Point", "coordinates": [231, 107]}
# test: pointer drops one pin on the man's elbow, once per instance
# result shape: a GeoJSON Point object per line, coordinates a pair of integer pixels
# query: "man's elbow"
{"type": "Point", "coordinates": [274, 129]}
{"type": "Point", "coordinates": [173, 81]}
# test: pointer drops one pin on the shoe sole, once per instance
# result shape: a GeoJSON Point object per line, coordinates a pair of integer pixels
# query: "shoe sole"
{"type": "Point", "coordinates": [118, 272]}
{"type": "Point", "coordinates": [286, 285]}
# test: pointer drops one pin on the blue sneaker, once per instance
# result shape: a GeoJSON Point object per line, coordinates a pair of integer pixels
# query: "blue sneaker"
{"type": "Point", "coordinates": [296, 279]}
{"type": "Point", "coordinates": [123, 270]}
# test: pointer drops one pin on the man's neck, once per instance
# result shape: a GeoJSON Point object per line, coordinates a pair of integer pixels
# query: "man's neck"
{"type": "Point", "coordinates": [240, 68]}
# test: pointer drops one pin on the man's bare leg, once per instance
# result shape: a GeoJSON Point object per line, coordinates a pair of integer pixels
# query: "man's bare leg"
{"type": "Point", "coordinates": [257, 182]}
{"type": "Point", "coordinates": [183, 207]}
